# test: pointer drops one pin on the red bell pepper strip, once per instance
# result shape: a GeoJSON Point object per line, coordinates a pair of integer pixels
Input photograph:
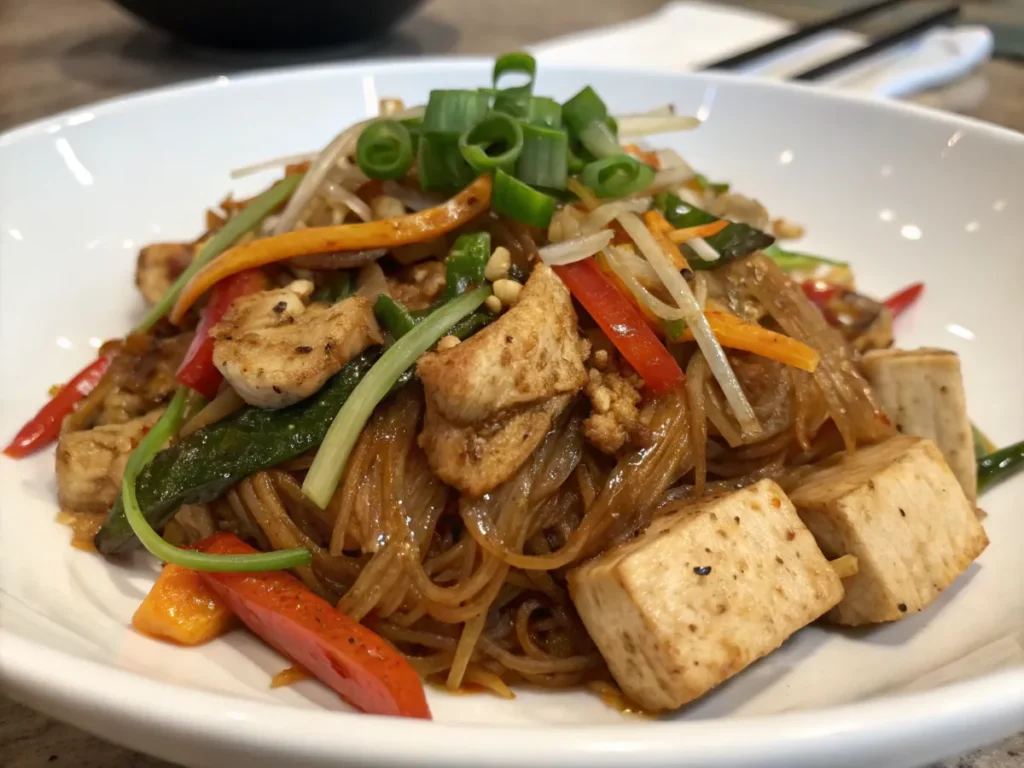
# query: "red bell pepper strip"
{"type": "Point", "coordinates": [197, 370]}
{"type": "Point", "coordinates": [900, 301]}
{"type": "Point", "coordinates": [820, 292]}
{"type": "Point", "coordinates": [361, 667]}
{"type": "Point", "coordinates": [44, 427]}
{"type": "Point", "coordinates": [622, 323]}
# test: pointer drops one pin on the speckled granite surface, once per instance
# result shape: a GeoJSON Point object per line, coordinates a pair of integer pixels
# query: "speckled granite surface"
{"type": "Point", "coordinates": [62, 53]}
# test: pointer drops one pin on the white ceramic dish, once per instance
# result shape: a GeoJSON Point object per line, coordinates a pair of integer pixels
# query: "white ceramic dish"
{"type": "Point", "coordinates": [903, 193]}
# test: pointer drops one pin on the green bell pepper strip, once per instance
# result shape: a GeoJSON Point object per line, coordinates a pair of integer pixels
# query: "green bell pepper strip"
{"type": "Point", "coordinates": [396, 319]}
{"type": "Point", "coordinates": [733, 242]}
{"type": "Point", "coordinates": [999, 466]}
{"type": "Point", "coordinates": [208, 462]}
{"type": "Point", "coordinates": [336, 290]}
{"type": "Point", "coordinates": [465, 264]}
{"type": "Point", "coordinates": [791, 260]}
{"type": "Point", "coordinates": [164, 428]}
{"type": "Point", "coordinates": [327, 468]}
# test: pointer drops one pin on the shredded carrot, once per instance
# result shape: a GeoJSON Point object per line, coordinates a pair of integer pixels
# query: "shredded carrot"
{"type": "Point", "coordinates": [586, 196]}
{"type": "Point", "coordinates": [735, 333]}
{"type": "Point", "coordinates": [659, 227]}
{"type": "Point", "coordinates": [387, 233]}
{"type": "Point", "coordinates": [701, 230]}
{"type": "Point", "coordinates": [182, 609]}
{"type": "Point", "coordinates": [643, 155]}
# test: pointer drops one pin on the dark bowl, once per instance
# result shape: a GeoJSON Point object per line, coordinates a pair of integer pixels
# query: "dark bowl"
{"type": "Point", "coordinates": [281, 24]}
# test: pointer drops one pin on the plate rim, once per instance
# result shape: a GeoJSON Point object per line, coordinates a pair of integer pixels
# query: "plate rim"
{"type": "Point", "coordinates": [989, 705]}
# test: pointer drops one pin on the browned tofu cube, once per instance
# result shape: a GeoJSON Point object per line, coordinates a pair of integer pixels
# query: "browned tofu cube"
{"type": "Point", "coordinates": [923, 393]}
{"type": "Point", "coordinates": [899, 509]}
{"type": "Point", "coordinates": [703, 593]}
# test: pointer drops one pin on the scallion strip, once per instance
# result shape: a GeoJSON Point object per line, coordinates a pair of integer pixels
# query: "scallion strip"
{"type": "Point", "coordinates": [618, 176]}
{"type": "Point", "coordinates": [520, 201]}
{"type": "Point", "coordinates": [246, 219]}
{"type": "Point", "coordinates": [452, 113]}
{"type": "Point", "coordinates": [494, 142]}
{"type": "Point", "coordinates": [545, 157]}
{"type": "Point", "coordinates": [541, 110]}
{"type": "Point", "coordinates": [384, 150]}
{"type": "Point", "coordinates": [166, 426]}
{"type": "Point", "coordinates": [600, 140]}
{"type": "Point", "coordinates": [517, 62]}
{"type": "Point", "coordinates": [329, 464]}
{"type": "Point", "coordinates": [999, 466]}
{"type": "Point", "coordinates": [584, 108]}
{"type": "Point", "coordinates": [441, 164]}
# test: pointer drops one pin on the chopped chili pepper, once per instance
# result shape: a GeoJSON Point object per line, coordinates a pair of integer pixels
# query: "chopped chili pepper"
{"type": "Point", "coordinates": [44, 427]}
{"type": "Point", "coordinates": [900, 301]}
{"type": "Point", "coordinates": [197, 370]}
{"type": "Point", "coordinates": [622, 323]}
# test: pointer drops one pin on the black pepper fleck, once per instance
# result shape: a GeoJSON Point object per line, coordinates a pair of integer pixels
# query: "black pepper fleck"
{"type": "Point", "coordinates": [508, 339]}
{"type": "Point", "coordinates": [702, 570]}
{"type": "Point", "coordinates": [303, 350]}
{"type": "Point", "coordinates": [277, 389]}
{"type": "Point", "coordinates": [902, 607]}
{"type": "Point", "coordinates": [902, 513]}
{"type": "Point", "coordinates": [688, 274]}
{"type": "Point", "coordinates": [280, 307]}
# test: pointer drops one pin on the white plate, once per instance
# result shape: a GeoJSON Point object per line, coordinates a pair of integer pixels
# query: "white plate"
{"type": "Point", "coordinates": [903, 193]}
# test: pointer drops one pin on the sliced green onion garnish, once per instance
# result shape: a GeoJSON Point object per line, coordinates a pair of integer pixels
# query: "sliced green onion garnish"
{"type": "Point", "coordinates": [494, 142]}
{"type": "Point", "coordinates": [583, 109]}
{"type": "Point", "coordinates": [577, 158]}
{"type": "Point", "coordinates": [452, 113]}
{"type": "Point", "coordinates": [790, 260]}
{"type": "Point", "coordinates": [166, 426]}
{"type": "Point", "coordinates": [600, 140]}
{"type": "Point", "coordinates": [384, 150]}
{"type": "Point", "coordinates": [999, 466]}
{"type": "Point", "coordinates": [545, 157]}
{"type": "Point", "coordinates": [983, 446]}
{"type": "Point", "coordinates": [329, 464]}
{"type": "Point", "coordinates": [519, 63]}
{"type": "Point", "coordinates": [617, 176]}
{"type": "Point", "coordinates": [520, 201]}
{"type": "Point", "coordinates": [541, 110]}
{"type": "Point", "coordinates": [395, 318]}
{"type": "Point", "coordinates": [441, 164]}
{"type": "Point", "coordinates": [246, 219]}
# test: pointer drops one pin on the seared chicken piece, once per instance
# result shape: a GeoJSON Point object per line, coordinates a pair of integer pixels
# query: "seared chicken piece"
{"type": "Point", "coordinates": [899, 509]}
{"type": "Point", "coordinates": [275, 351]}
{"type": "Point", "coordinates": [530, 353]}
{"type": "Point", "coordinates": [922, 391]}
{"type": "Point", "coordinates": [159, 265]}
{"type": "Point", "coordinates": [477, 458]}
{"type": "Point", "coordinates": [703, 593]}
{"type": "Point", "coordinates": [90, 464]}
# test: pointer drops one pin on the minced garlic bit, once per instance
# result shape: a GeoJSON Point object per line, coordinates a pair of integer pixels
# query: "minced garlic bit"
{"type": "Point", "coordinates": [493, 303]}
{"type": "Point", "coordinates": [601, 359]}
{"type": "Point", "coordinates": [302, 288]}
{"type": "Point", "coordinates": [507, 291]}
{"type": "Point", "coordinates": [499, 264]}
{"type": "Point", "coordinates": [447, 343]}
{"type": "Point", "coordinates": [386, 207]}
{"type": "Point", "coordinates": [845, 566]}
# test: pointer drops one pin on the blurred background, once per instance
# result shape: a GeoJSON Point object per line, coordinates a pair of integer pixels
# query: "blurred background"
{"type": "Point", "coordinates": [57, 54]}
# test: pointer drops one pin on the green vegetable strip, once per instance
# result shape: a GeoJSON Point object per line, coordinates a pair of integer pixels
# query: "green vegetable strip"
{"type": "Point", "coordinates": [545, 157]}
{"type": "Point", "coordinates": [790, 260]}
{"type": "Point", "coordinates": [452, 113]}
{"type": "Point", "coordinates": [164, 428]}
{"type": "Point", "coordinates": [733, 242]}
{"type": "Point", "coordinates": [982, 445]}
{"type": "Point", "coordinates": [600, 140]}
{"type": "Point", "coordinates": [618, 176]}
{"type": "Point", "coordinates": [393, 316]}
{"type": "Point", "coordinates": [514, 101]}
{"type": "Point", "coordinates": [329, 464]}
{"type": "Point", "coordinates": [464, 267]}
{"type": "Point", "coordinates": [584, 108]}
{"type": "Point", "coordinates": [542, 111]}
{"type": "Point", "coordinates": [711, 186]}
{"type": "Point", "coordinates": [204, 465]}
{"type": "Point", "coordinates": [1000, 466]}
{"type": "Point", "coordinates": [338, 289]}
{"type": "Point", "coordinates": [384, 150]}
{"type": "Point", "coordinates": [494, 142]}
{"type": "Point", "coordinates": [520, 201]}
{"type": "Point", "coordinates": [441, 164]}
{"type": "Point", "coordinates": [242, 222]}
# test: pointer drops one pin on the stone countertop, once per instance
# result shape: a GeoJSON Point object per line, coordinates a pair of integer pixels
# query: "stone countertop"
{"type": "Point", "coordinates": [60, 54]}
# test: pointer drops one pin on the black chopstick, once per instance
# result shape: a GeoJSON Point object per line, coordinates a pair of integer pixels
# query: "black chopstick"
{"type": "Point", "coordinates": [802, 34]}
{"type": "Point", "coordinates": [888, 41]}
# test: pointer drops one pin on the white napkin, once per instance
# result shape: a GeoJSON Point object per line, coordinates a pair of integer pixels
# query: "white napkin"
{"type": "Point", "coordinates": [686, 35]}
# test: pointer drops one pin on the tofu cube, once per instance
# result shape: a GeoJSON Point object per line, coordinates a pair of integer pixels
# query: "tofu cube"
{"type": "Point", "coordinates": [703, 593]}
{"type": "Point", "coordinates": [922, 391]}
{"type": "Point", "coordinates": [899, 509]}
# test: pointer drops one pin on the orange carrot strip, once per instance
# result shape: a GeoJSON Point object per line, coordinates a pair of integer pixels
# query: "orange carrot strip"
{"type": "Point", "coordinates": [290, 676]}
{"type": "Point", "coordinates": [182, 609]}
{"type": "Point", "coordinates": [701, 230]}
{"type": "Point", "coordinates": [404, 230]}
{"type": "Point", "coordinates": [644, 156]}
{"type": "Point", "coordinates": [735, 333]}
{"type": "Point", "coordinates": [659, 227]}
